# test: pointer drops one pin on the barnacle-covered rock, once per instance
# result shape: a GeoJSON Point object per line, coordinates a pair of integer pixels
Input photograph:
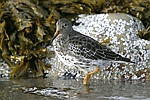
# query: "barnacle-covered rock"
{"type": "Point", "coordinates": [121, 30]}
{"type": "Point", "coordinates": [137, 8]}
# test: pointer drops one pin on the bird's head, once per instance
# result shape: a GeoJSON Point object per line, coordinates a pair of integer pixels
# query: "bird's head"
{"type": "Point", "coordinates": [63, 27]}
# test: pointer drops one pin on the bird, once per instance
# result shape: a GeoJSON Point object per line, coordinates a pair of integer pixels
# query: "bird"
{"type": "Point", "coordinates": [80, 51]}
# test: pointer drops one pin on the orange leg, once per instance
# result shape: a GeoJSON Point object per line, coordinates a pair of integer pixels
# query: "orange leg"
{"type": "Point", "coordinates": [86, 78]}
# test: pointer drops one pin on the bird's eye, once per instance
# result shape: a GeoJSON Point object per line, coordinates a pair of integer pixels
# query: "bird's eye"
{"type": "Point", "coordinates": [65, 25]}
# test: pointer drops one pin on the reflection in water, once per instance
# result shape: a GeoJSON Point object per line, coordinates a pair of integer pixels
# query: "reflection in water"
{"type": "Point", "coordinates": [54, 89]}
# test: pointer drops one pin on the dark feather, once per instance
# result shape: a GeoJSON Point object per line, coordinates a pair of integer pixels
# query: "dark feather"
{"type": "Point", "coordinates": [92, 49]}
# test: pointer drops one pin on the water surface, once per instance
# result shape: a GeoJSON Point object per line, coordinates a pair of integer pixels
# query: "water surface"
{"type": "Point", "coordinates": [57, 88]}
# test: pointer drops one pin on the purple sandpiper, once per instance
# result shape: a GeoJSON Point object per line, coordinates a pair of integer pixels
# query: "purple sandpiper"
{"type": "Point", "coordinates": [83, 52]}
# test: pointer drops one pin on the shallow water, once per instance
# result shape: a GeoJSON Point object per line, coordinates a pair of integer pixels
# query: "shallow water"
{"type": "Point", "coordinates": [54, 89]}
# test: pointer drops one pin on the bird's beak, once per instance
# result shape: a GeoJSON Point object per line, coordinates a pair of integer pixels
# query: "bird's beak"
{"type": "Point", "coordinates": [55, 35]}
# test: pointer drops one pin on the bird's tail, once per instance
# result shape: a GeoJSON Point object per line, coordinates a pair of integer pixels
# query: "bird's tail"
{"type": "Point", "coordinates": [120, 58]}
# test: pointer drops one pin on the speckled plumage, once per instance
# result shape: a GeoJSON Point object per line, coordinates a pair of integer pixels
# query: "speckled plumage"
{"type": "Point", "coordinates": [81, 51]}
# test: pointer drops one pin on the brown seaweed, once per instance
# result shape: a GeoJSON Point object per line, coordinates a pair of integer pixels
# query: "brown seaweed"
{"type": "Point", "coordinates": [22, 34]}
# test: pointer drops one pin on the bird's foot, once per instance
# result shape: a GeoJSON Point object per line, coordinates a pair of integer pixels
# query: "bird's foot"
{"type": "Point", "coordinates": [86, 78]}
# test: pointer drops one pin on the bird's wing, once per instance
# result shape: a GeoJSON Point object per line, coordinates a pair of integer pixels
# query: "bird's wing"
{"type": "Point", "coordinates": [89, 48]}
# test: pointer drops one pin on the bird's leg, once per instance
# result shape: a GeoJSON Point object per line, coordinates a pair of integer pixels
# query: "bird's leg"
{"type": "Point", "coordinates": [86, 78]}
